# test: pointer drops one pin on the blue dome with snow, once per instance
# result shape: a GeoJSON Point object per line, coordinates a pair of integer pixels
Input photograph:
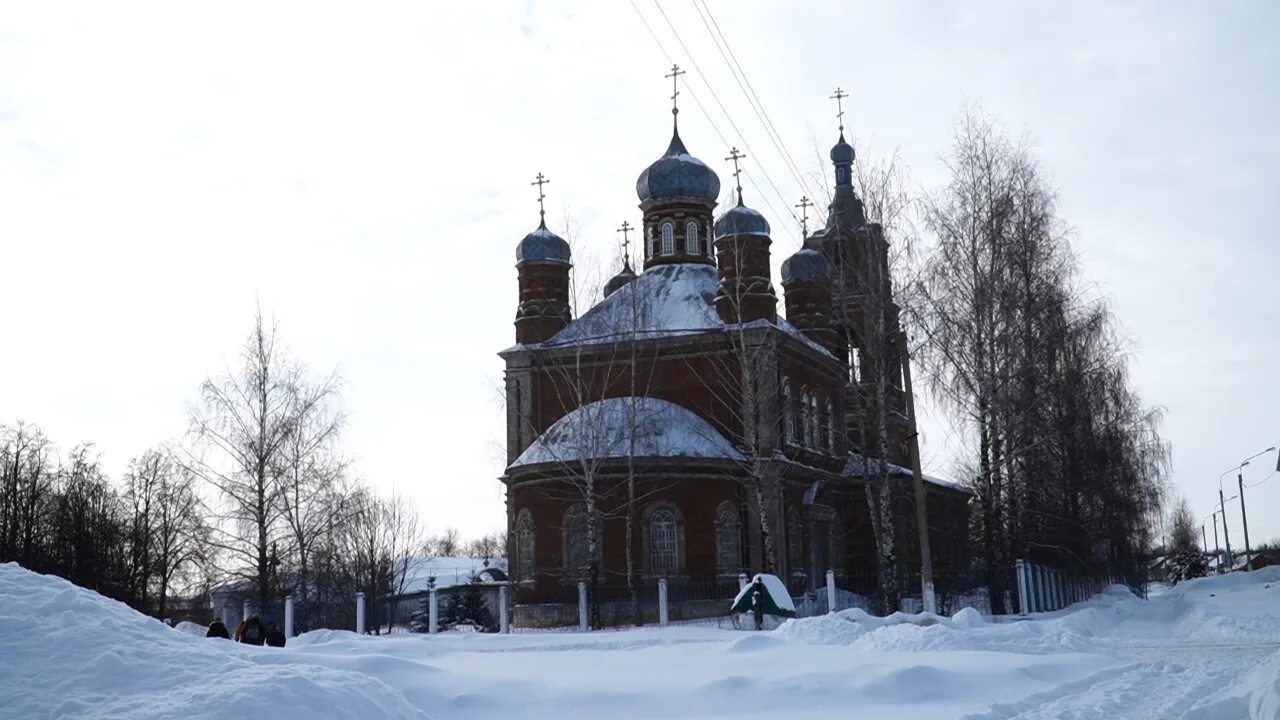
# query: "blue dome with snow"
{"type": "Point", "coordinates": [741, 220]}
{"type": "Point", "coordinates": [542, 245]}
{"type": "Point", "coordinates": [806, 265]}
{"type": "Point", "coordinates": [677, 174]}
{"type": "Point", "coordinates": [842, 152]}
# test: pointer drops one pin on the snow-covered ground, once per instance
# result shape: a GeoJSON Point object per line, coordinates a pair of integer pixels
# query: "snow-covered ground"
{"type": "Point", "coordinates": [1208, 649]}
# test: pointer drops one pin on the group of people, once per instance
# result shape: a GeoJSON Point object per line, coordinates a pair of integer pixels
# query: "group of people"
{"type": "Point", "coordinates": [252, 631]}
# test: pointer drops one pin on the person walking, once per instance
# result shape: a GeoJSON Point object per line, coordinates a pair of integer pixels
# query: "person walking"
{"type": "Point", "coordinates": [218, 630]}
{"type": "Point", "coordinates": [251, 631]}
{"type": "Point", "coordinates": [275, 636]}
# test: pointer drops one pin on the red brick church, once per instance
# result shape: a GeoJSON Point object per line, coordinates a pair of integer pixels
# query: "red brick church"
{"type": "Point", "coordinates": [683, 427]}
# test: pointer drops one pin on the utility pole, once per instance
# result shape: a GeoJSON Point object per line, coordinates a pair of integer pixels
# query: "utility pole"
{"type": "Point", "coordinates": [922, 511]}
{"type": "Point", "coordinates": [1217, 551]}
{"type": "Point", "coordinates": [1226, 536]}
{"type": "Point", "coordinates": [1244, 518]}
{"type": "Point", "coordinates": [1204, 537]}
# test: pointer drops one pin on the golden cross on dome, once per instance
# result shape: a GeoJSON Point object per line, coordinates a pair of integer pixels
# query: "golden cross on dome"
{"type": "Point", "coordinates": [839, 97]}
{"type": "Point", "coordinates": [626, 242]}
{"type": "Point", "coordinates": [675, 74]}
{"type": "Point", "coordinates": [735, 156]}
{"type": "Point", "coordinates": [542, 213]}
{"type": "Point", "coordinates": [804, 206]}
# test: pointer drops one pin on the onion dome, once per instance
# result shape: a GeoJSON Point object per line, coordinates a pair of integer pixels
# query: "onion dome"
{"type": "Point", "coordinates": [677, 174]}
{"type": "Point", "coordinates": [622, 278]}
{"type": "Point", "coordinates": [842, 152]}
{"type": "Point", "coordinates": [542, 245]}
{"type": "Point", "coordinates": [808, 264]}
{"type": "Point", "coordinates": [741, 220]}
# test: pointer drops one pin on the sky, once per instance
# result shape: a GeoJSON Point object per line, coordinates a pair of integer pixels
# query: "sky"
{"type": "Point", "coordinates": [362, 173]}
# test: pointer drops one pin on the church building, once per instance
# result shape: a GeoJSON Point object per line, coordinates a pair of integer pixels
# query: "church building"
{"type": "Point", "coordinates": [692, 425]}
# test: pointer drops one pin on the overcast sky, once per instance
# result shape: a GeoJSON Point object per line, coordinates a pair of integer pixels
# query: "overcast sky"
{"type": "Point", "coordinates": [363, 172]}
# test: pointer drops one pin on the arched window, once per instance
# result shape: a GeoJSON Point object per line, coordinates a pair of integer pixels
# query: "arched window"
{"type": "Point", "coordinates": [650, 244]}
{"type": "Point", "coordinates": [815, 431]}
{"type": "Point", "coordinates": [833, 424]}
{"type": "Point", "coordinates": [691, 238]}
{"type": "Point", "coordinates": [788, 413]}
{"type": "Point", "coordinates": [728, 537]}
{"type": "Point", "coordinates": [806, 428]}
{"type": "Point", "coordinates": [664, 543]}
{"type": "Point", "coordinates": [795, 542]}
{"type": "Point", "coordinates": [668, 238]}
{"type": "Point", "coordinates": [524, 546]}
{"type": "Point", "coordinates": [577, 545]}
{"type": "Point", "coordinates": [710, 243]}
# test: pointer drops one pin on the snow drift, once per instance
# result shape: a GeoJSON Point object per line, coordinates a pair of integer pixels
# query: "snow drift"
{"type": "Point", "coordinates": [71, 653]}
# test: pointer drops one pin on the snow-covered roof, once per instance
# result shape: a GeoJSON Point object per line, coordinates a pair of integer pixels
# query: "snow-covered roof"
{"type": "Point", "coordinates": [860, 466]}
{"type": "Point", "coordinates": [448, 571]}
{"type": "Point", "coordinates": [776, 588]}
{"type": "Point", "coordinates": [666, 300]}
{"type": "Point", "coordinates": [605, 429]}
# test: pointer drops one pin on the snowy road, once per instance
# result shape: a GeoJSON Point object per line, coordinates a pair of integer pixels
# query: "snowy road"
{"type": "Point", "coordinates": [1207, 650]}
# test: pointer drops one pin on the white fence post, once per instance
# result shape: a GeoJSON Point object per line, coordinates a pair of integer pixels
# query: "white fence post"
{"type": "Point", "coordinates": [664, 614]}
{"type": "Point", "coordinates": [1037, 595]}
{"type": "Point", "coordinates": [288, 616]}
{"type": "Point", "coordinates": [504, 623]}
{"type": "Point", "coordinates": [433, 612]}
{"type": "Point", "coordinates": [582, 606]}
{"type": "Point", "coordinates": [1020, 574]}
{"type": "Point", "coordinates": [359, 613]}
{"type": "Point", "coordinates": [831, 591]}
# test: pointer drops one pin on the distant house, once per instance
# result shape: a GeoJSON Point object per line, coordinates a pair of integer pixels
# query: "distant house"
{"type": "Point", "coordinates": [447, 575]}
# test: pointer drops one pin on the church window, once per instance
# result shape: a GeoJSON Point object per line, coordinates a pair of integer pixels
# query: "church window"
{"type": "Point", "coordinates": [728, 538]}
{"type": "Point", "coordinates": [524, 546]}
{"type": "Point", "coordinates": [795, 542]}
{"type": "Point", "coordinates": [650, 245]}
{"type": "Point", "coordinates": [691, 238]}
{"type": "Point", "coordinates": [788, 413]}
{"type": "Point", "coordinates": [710, 243]}
{"type": "Point", "coordinates": [576, 541]}
{"type": "Point", "coordinates": [806, 429]}
{"type": "Point", "coordinates": [815, 432]}
{"type": "Point", "coordinates": [833, 424]}
{"type": "Point", "coordinates": [668, 238]}
{"type": "Point", "coordinates": [664, 545]}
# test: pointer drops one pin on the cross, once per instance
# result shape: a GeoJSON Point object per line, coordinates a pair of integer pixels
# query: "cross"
{"type": "Point", "coordinates": [542, 213]}
{"type": "Point", "coordinates": [804, 206]}
{"type": "Point", "coordinates": [626, 242]}
{"type": "Point", "coordinates": [675, 74]}
{"type": "Point", "coordinates": [735, 156]}
{"type": "Point", "coordinates": [838, 97]}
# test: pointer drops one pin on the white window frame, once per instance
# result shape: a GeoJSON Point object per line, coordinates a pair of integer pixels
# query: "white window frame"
{"type": "Point", "coordinates": [691, 238]}
{"type": "Point", "coordinates": [668, 238]}
{"type": "Point", "coordinates": [832, 424]}
{"type": "Point", "coordinates": [788, 413]}
{"type": "Point", "coordinates": [526, 546]}
{"type": "Point", "coordinates": [728, 538]}
{"type": "Point", "coordinates": [664, 542]}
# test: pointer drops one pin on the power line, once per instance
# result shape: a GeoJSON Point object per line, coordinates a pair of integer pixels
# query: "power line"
{"type": "Point", "coordinates": [727, 114]}
{"type": "Point", "coordinates": [750, 93]}
{"type": "Point", "coordinates": [698, 102]}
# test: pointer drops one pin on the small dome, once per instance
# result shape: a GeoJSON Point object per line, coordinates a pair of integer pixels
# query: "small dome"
{"type": "Point", "coordinates": [741, 220]}
{"type": "Point", "coordinates": [677, 174]}
{"type": "Point", "coordinates": [542, 245]}
{"type": "Point", "coordinates": [622, 278]}
{"type": "Point", "coordinates": [807, 265]}
{"type": "Point", "coordinates": [842, 152]}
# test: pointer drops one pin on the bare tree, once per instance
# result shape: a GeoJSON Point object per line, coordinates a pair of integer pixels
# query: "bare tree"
{"type": "Point", "coordinates": [245, 420]}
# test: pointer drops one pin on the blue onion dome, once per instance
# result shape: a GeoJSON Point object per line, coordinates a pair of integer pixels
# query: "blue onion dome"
{"type": "Point", "coordinates": [678, 174]}
{"type": "Point", "coordinates": [542, 245]}
{"type": "Point", "coordinates": [808, 264]}
{"type": "Point", "coordinates": [842, 152]}
{"type": "Point", "coordinates": [622, 278]}
{"type": "Point", "coordinates": [741, 220]}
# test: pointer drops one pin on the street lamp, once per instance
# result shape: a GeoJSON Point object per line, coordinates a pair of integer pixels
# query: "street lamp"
{"type": "Point", "coordinates": [1244, 517]}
